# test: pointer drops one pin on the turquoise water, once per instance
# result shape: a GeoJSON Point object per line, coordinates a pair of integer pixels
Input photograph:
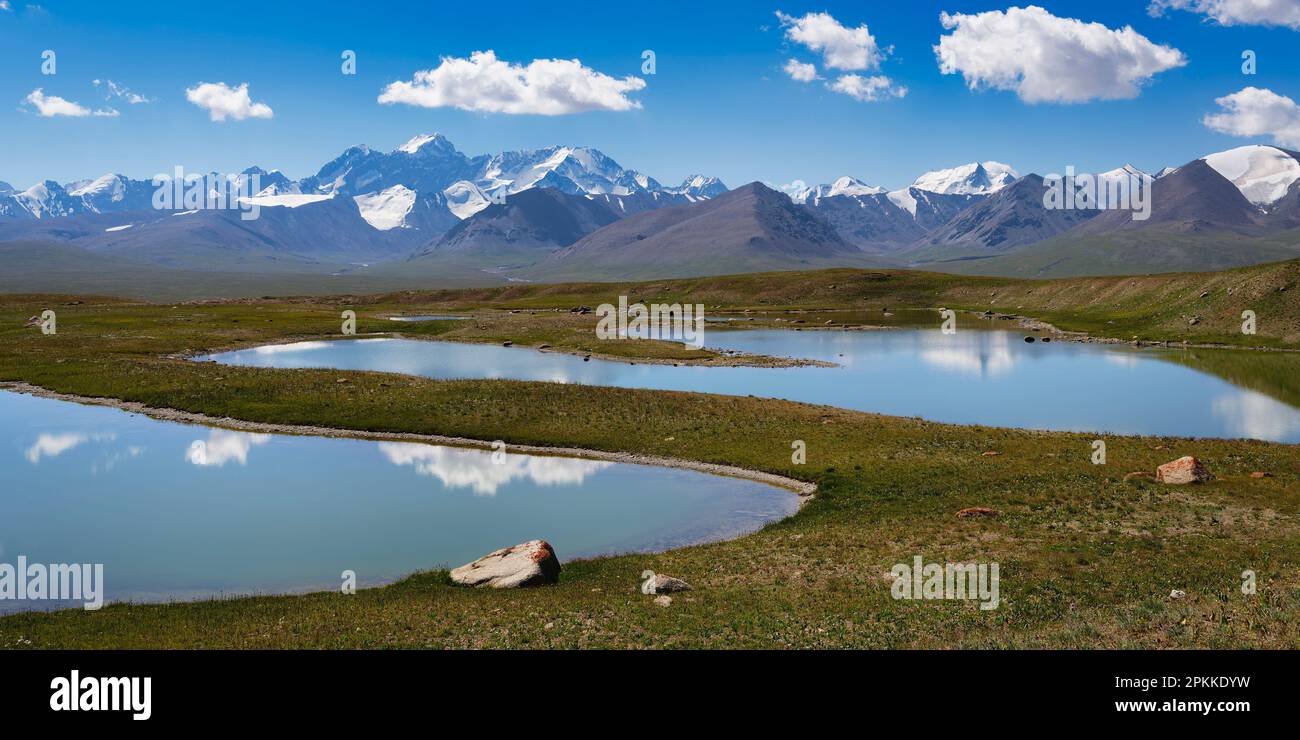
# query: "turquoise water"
{"type": "Point", "coordinates": [992, 378]}
{"type": "Point", "coordinates": [176, 511]}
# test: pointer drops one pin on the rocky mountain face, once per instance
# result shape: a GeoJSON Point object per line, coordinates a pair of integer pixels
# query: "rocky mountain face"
{"type": "Point", "coordinates": [752, 227]}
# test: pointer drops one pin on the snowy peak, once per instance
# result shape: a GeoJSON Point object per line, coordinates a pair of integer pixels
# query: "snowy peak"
{"type": "Point", "coordinates": [976, 178]}
{"type": "Point", "coordinates": [1127, 170]}
{"type": "Point", "coordinates": [846, 186]}
{"type": "Point", "coordinates": [699, 186]}
{"type": "Point", "coordinates": [1263, 174]}
{"type": "Point", "coordinates": [852, 186]}
{"type": "Point", "coordinates": [108, 186]}
{"type": "Point", "coordinates": [427, 144]}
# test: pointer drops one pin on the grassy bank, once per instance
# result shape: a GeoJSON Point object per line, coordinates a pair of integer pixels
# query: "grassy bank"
{"type": "Point", "coordinates": [1086, 559]}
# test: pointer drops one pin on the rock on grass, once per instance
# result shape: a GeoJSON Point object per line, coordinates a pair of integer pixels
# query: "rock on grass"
{"type": "Point", "coordinates": [531, 563]}
{"type": "Point", "coordinates": [1184, 470]}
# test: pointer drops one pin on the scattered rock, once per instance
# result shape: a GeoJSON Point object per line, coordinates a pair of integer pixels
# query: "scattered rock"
{"type": "Point", "coordinates": [662, 584]}
{"type": "Point", "coordinates": [1030, 340]}
{"type": "Point", "coordinates": [975, 511]}
{"type": "Point", "coordinates": [990, 453]}
{"type": "Point", "coordinates": [342, 380]}
{"type": "Point", "coordinates": [33, 321]}
{"type": "Point", "coordinates": [1261, 474]}
{"type": "Point", "coordinates": [1139, 475]}
{"type": "Point", "coordinates": [543, 346]}
{"type": "Point", "coordinates": [664, 600]}
{"type": "Point", "coordinates": [1206, 294]}
{"type": "Point", "coordinates": [531, 563]}
{"type": "Point", "coordinates": [1176, 594]}
{"type": "Point", "coordinates": [1184, 470]}
{"type": "Point", "coordinates": [507, 343]}
{"type": "Point", "coordinates": [1047, 339]}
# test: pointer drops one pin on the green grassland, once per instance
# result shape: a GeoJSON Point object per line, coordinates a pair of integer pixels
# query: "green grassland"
{"type": "Point", "coordinates": [1087, 560]}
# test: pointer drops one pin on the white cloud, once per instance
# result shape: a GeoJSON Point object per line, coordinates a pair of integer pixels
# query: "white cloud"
{"type": "Point", "coordinates": [222, 101]}
{"type": "Point", "coordinates": [793, 188]}
{"type": "Point", "coordinates": [801, 71]}
{"type": "Point", "coordinates": [51, 106]}
{"type": "Point", "coordinates": [1046, 59]}
{"type": "Point", "coordinates": [485, 84]}
{"type": "Point", "coordinates": [4, 5]}
{"type": "Point", "coordinates": [1254, 111]}
{"type": "Point", "coordinates": [115, 90]}
{"type": "Point", "coordinates": [867, 89]}
{"type": "Point", "coordinates": [1237, 12]}
{"type": "Point", "coordinates": [841, 47]}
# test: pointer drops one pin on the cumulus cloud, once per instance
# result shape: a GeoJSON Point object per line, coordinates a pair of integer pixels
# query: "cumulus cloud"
{"type": "Point", "coordinates": [51, 106]}
{"type": "Point", "coordinates": [114, 90]}
{"type": "Point", "coordinates": [485, 84]}
{"type": "Point", "coordinates": [1236, 12]}
{"type": "Point", "coordinates": [867, 89]}
{"type": "Point", "coordinates": [222, 101]}
{"type": "Point", "coordinates": [841, 47]}
{"type": "Point", "coordinates": [4, 5]}
{"type": "Point", "coordinates": [1254, 111]}
{"type": "Point", "coordinates": [801, 71]}
{"type": "Point", "coordinates": [1046, 59]}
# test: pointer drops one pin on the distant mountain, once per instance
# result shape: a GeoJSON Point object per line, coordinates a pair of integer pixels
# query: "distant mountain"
{"type": "Point", "coordinates": [1227, 209]}
{"type": "Point", "coordinates": [752, 228]}
{"type": "Point", "coordinates": [976, 178]}
{"type": "Point", "coordinates": [1010, 217]}
{"type": "Point", "coordinates": [362, 206]}
{"type": "Point", "coordinates": [48, 199]}
{"type": "Point", "coordinates": [699, 186]}
{"type": "Point", "coordinates": [524, 230]}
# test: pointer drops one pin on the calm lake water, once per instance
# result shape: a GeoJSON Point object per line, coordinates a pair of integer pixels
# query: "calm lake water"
{"type": "Point", "coordinates": [175, 511]}
{"type": "Point", "coordinates": [988, 377]}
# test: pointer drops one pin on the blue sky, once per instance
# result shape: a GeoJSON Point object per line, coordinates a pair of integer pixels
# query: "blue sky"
{"type": "Point", "coordinates": [720, 102]}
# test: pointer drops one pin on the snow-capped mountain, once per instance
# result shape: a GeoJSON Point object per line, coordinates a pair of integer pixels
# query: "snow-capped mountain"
{"type": "Point", "coordinates": [976, 178]}
{"type": "Point", "coordinates": [699, 186]}
{"type": "Point", "coordinates": [1119, 183]}
{"type": "Point", "coordinates": [848, 186]}
{"type": "Point", "coordinates": [111, 192]}
{"type": "Point", "coordinates": [1263, 174]}
{"type": "Point", "coordinates": [47, 199]}
{"type": "Point", "coordinates": [425, 180]}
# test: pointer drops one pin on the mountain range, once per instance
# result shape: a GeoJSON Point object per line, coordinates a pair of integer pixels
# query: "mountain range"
{"type": "Point", "coordinates": [426, 209]}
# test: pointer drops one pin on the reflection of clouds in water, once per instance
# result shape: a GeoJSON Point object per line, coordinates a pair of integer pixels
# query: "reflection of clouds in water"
{"type": "Point", "coordinates": [113, 459]}
{"type": "Point", "coordinates": [53, 445]}
{"type": "Point", "coordinates": [1254, 415]}
{"type": "Point", "coordinates": [306, 346]}
{"type": "Point", "coordinates": [223, 446]}
{"type": "Point", "coordinates": [1123, 359]}
{"type": "Point", "coordinates": [474, 469]}
{"type": "Point", "coordinates": [985, 356]}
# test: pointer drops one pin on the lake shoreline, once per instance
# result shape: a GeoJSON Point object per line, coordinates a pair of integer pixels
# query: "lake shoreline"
{"type": "Point", "coordinates": [803, 489]}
